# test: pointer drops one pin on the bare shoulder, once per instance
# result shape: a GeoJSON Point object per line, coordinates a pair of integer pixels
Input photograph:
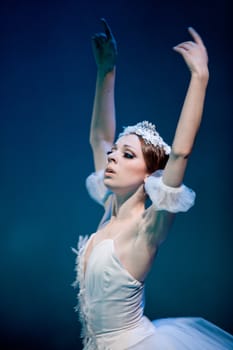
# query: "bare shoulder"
{"type": "Point", "coordinates": [154, 226]}
{"type": "Point", "coordinates": [151, 232]}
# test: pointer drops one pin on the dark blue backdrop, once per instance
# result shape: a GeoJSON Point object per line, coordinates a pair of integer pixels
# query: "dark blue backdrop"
{"type": "Point", "coordinates": [47, 86]}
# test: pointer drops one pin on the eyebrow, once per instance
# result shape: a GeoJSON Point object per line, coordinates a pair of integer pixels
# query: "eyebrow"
{"type": "Point", "coordinates": [125, 145]}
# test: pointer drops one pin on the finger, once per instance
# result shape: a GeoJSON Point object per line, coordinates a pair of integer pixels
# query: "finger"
{"type": "Point", "coordinates": [180, 50]}
{"type": "Point", "coordinates": [99, 39]}
{"type": "Point", "coordinates": [107, 29]}
{"type": "Point", "coordinates": [195, 35]}
{"type": "Point", "coordinates": [187, 45]}
{"type": "Point", "coordinates": [101, 36]}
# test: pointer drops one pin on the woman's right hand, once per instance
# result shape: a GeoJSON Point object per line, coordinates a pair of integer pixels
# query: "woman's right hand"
{"type": "Point", "coordinates": [194, 54]}
{"type": "Point", "coordinates": [105, 49]}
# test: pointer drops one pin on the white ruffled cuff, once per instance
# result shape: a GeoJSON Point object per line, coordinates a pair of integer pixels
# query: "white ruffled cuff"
{"type": "Point", "coordinates": [172, 199]}
{"type": "Point", "coordinates": [96, 188]}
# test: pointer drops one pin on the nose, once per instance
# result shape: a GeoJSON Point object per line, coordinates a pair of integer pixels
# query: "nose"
{"type": "Point", "coordinates": [112, 157]}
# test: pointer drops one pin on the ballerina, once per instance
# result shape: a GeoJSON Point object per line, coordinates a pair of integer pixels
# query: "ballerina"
{"type": "Point", "coordinates": [112, 264]}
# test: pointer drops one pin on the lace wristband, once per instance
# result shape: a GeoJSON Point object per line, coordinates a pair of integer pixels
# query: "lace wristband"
{"type": "Point", "coordinates": [96, 188]}
{"type": "Point", "coordinates": [172, 199]}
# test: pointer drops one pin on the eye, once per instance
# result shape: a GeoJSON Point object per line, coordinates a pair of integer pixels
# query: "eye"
{"type": "Point", "coordinates": [113, 149]}
{"type": "Point", "coordinates": [128, 155]}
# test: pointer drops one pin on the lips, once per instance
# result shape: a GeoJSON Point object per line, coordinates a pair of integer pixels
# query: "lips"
{"type": "Point", "coordinates": [109, 171]}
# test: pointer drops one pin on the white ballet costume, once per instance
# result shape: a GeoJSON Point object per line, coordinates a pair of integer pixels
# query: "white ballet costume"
{"type": "Point", "coordinates": [110, 299]}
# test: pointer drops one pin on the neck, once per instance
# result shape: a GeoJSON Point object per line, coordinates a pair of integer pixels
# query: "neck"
{"type": "Point", "coordinates": [130, 204]}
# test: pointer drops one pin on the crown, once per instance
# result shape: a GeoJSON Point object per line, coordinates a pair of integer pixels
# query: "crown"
{"type": "Point", "coordinates": [149, 134]}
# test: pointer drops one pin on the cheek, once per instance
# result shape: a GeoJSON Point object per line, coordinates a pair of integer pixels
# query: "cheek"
{"type": "Point", "coordinates": [136, 170]}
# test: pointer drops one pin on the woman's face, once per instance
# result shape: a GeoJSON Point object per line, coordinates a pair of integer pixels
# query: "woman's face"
{"type": "Point", "coordinates": [126, 168]}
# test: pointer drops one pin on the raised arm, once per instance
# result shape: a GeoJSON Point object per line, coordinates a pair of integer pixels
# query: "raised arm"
{"type": "Point", "coordinates": [195, 55]}
{"type": "Point", "coordinates": [103, 124]}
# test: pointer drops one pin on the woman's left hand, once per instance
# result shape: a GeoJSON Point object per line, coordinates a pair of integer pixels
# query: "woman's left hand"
{"type": "Point", "coordinates": [105, 49]}
{"type": "Point", "coordinates": [194, 54]}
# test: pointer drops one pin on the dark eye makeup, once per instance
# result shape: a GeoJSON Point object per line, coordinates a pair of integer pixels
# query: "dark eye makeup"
{"type": "Point", "coordinates": [126, 154]}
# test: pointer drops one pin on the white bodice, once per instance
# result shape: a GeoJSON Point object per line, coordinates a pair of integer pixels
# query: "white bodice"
{"type": "Point", "coordinates": [110, 299]}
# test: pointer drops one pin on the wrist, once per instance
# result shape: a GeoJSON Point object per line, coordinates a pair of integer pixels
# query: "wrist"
{"type": "Point", "coordinates": [201, 76]}
{"type": "Point", "coordinates": [103, 72]}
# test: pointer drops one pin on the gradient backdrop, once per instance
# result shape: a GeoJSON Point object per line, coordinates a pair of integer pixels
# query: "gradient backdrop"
{"type": "Point", "coordinates": [47, 87]}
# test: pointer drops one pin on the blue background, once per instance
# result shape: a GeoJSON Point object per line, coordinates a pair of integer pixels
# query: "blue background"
{"type": "Point", "coordinates": [47, 87]}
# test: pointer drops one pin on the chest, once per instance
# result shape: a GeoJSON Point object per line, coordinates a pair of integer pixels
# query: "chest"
{"type": "Point", "coordinates": [129, 247]}
{"type": "Point", "coordinates": [123, 233]}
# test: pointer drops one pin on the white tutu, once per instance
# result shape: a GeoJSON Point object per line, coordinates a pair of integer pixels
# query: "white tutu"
{"type": "Point", "coordinates": [187, 333]}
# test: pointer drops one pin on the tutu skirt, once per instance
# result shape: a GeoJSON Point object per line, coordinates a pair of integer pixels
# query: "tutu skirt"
{"type": "Point", "coordinates": [186, 333]}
